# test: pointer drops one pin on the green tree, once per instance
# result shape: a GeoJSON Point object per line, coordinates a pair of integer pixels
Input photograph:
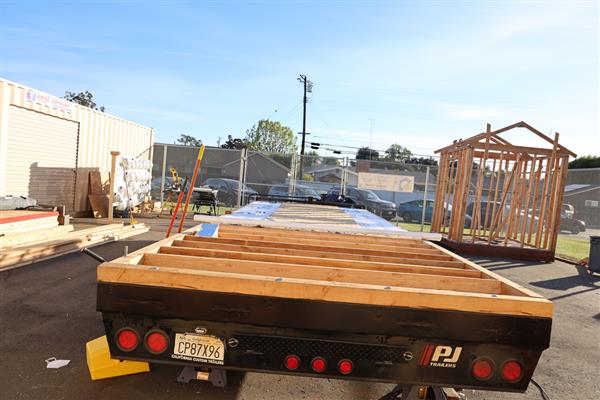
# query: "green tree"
{"type": "Point", "coordinates": [397, 153]}
{"type": "Point", "coordinates": [232, 143]}
{"type": "Point", "coordinates": [585, 162]}
{"type": "Point", "coordinates": [187, 140]}
{"type": "Point", "coordinates": [271, 137]}
{"type": "Point", "coordinates": [365, 153]}
{"type": "Point", "coordinates": [85, 99]}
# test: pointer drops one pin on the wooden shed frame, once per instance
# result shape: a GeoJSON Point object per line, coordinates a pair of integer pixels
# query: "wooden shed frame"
{"type": "Point", "coordinates": [514, 202]}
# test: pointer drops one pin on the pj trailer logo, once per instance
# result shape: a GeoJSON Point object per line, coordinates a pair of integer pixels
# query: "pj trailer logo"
{"type": "Point", "coordinates": [440, 356]}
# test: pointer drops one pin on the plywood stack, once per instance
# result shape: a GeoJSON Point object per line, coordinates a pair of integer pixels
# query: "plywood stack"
{"type": "Point", "coordinates": [30, 236]}
{"type": "Point", "coordinates": [23, 226]}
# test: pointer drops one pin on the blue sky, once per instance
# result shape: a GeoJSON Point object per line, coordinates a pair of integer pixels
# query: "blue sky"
{"type": "Point", "coordinates": [416, 73]}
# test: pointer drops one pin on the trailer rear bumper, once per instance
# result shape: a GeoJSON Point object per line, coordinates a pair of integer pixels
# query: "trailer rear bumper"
{"type": "Point", "coordinates": [387, 344]}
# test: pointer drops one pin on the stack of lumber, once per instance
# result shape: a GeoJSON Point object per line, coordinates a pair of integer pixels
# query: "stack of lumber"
{"type": "Point", "coordinates": [19, 227]}
{"type": "Point", "coordinates": [15, 256]}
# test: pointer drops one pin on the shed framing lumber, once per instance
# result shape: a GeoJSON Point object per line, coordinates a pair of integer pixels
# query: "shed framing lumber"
{"type": "Point", "coordinates": [320, 254]}
{"type": "Point", "coordinates": [328, 262]}
{"type": "Point", "coordinates": [338, 242]}
{"type": "Point", "coordinates": [289, 270]}
{"type": "Point", "coordinates": [224, 230]}
{"type": "Point", "coordinates": [324, 273]}
{"type": "Point", "coordinates": [324, 291]}
{"type": "Point", "coordinates": [405, 252]}
{"type": "Point", "coordinates": [519, 213]}
{"type": "Point", "coordinates": [508, 287]}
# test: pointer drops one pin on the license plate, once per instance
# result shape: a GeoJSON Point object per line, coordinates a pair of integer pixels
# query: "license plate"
{"type": "Point", "coordinates": [198, 348]}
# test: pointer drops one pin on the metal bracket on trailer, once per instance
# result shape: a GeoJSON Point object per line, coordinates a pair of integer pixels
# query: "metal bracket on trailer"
{"type": "Point", "coordinates": [218, 377]}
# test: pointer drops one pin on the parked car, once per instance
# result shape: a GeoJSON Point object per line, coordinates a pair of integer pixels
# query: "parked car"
{"type": "Point", "coordinates": [568, 222]}
{"type": "Point", "coordinates": [301, 191]}
{"type": "Point", "coordinates": [228, 190]}
{"type": "Point", "coordinates": [368, 199]}
{"type": "Point", "coordinates": [482, 213]}
{"type": "Point", "coordinates": [411, 211]}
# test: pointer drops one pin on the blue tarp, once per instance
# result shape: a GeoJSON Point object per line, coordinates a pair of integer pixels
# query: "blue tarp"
{"type": "Point", "coordinates": [256, 211]}
{"type": "Point", "coordinates": [369, 220]}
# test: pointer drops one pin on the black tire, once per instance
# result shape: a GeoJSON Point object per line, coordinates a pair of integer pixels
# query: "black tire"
{"type": "Point", "coordinates": [575, 230]}
{"type": "Point", "coordinates": [407, 217]}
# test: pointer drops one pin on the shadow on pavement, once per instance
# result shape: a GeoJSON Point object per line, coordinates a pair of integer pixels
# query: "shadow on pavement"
{"type": "Point", "coordinates": [582, 279]}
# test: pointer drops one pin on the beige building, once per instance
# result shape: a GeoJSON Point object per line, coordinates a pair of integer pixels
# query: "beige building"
{"type": "Point", "coordinates": [48, 146]}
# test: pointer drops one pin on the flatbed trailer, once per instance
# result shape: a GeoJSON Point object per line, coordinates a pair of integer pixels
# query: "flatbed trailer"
{"type": "Point", "coordinates": [377, 307]}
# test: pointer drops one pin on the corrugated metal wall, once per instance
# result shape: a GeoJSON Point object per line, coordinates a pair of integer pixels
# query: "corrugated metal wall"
{"type": "Point", "coordinates": [51, 166]}
{"type": "Point", "coordinates": [99, 134]}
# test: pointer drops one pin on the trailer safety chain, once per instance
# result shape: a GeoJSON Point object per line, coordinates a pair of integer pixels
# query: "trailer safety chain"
{"type": "Point", "coordinates": [412, 392]}
{"type": "Point", "coordinates": [541, 389]}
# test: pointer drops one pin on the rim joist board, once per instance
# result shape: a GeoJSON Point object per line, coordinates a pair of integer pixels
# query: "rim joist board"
{"type": "Point", "coordinates": [333, 267]}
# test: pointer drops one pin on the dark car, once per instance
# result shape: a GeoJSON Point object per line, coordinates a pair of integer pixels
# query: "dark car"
{"type": "Point", "coordinates": [368, 199]}
{"type": "Point", "coordinates": [300, 191]}
{"type": "Point", "coordinates": [413, 210]}
{"type": "Point", "coordinates": [228, 190]}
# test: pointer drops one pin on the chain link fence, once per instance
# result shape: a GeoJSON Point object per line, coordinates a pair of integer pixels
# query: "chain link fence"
{"type": "Point", "coordinates": [399, 192]}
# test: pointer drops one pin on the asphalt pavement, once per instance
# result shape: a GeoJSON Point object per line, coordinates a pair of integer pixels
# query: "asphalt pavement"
{"type": "Point", "coordinates": [48, 310]}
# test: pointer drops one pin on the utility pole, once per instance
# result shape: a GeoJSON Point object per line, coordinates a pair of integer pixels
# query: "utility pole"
{"type": "Point", "coordinates": [307, 89]}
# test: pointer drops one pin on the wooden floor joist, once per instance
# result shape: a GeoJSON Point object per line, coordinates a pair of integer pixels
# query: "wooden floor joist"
{"type": "Point", "coordinates": [324, 266]}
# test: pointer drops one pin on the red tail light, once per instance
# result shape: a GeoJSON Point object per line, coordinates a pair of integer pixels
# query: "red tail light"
{"type": "Point", "coordinates": [345, 367]}
{"type": "Point", "coordinates": [318, 364]}
{"type": "Point", "coordinates": [512, 371]}
{"type": "Point", "coordinates": [156, 342]}
{"type": "Point", "coordinates": [127, 339]}
{"type": "Point", "coordinates": [482, 369]}
{"type": "Point", "coordinates": [292, 362]}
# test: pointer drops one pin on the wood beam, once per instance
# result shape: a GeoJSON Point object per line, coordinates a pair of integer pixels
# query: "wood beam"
{"type": "Point", "coordinates": [389, 296]}
{"type": "Point", "coordinates": [451, 269]}
{"type": "Point", "coordinates": [323, 273]}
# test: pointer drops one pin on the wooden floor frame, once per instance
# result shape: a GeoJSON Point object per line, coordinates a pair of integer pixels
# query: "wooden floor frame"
{"type": "Point", "coordinates": [365, 269]}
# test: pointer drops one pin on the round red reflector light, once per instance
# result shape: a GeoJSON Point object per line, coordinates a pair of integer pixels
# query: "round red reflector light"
{"type": "Point", "coordinates": [512, 371]}
{"type": "Point", "coordinates": [127, 339]}
{"type": "Point", "coordinates": [318, 364]}
{"type": "Point", "coordinates": [292, 362]}
{"type": "Point", "coordinates": [482, 369]}
{"type": "Point", "coordinates": [345, 367]}
{"type": "Point", "coordinates": [156, 342]}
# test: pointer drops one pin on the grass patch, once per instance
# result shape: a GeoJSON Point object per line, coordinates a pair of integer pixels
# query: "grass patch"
{"type": "Point", "coordinates": [573, 247]}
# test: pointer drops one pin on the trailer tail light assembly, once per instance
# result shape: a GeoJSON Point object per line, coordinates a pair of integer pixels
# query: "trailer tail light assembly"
{"type": "Point", "coordinates": [345, 367]}
{"type": "Point", "coordinates": [318, 364]}
{"type": "Point", "coordinates": [292, 362]}
{"type": "Point", "coordinates": [127, 339]}
{"type": "Point", "coordinates": [156, 341]}
{"type": "Point", "coordinates": [482, 369]}
{"type": "Point", "coordinates": [512, 371]}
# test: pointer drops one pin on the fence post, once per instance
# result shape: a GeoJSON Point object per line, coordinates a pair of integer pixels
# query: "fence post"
{"type": "Point", "coordinates": [344, 174]}
{"type": "Point", "coordinates": [425, 198]}
{"type": "Point", "coordinates": [162, 180]}
{"type": "Point", "coordinates": [242, 176]}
